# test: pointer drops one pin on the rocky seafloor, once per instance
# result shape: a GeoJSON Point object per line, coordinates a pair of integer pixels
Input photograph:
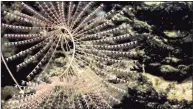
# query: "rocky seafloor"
{"type": "Point", "coordinates": [166, 59]}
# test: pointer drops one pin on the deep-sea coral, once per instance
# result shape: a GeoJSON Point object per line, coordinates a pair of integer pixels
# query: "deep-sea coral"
{"type": "Point", "coordinates": [95, 50]}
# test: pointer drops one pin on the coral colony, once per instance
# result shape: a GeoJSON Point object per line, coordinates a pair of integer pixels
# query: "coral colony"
{"type": "Point", "coordinates": [88, 42]}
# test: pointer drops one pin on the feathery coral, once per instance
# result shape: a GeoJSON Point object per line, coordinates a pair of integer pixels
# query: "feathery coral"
{"type": "Point", "coordinates": [90, 43]}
